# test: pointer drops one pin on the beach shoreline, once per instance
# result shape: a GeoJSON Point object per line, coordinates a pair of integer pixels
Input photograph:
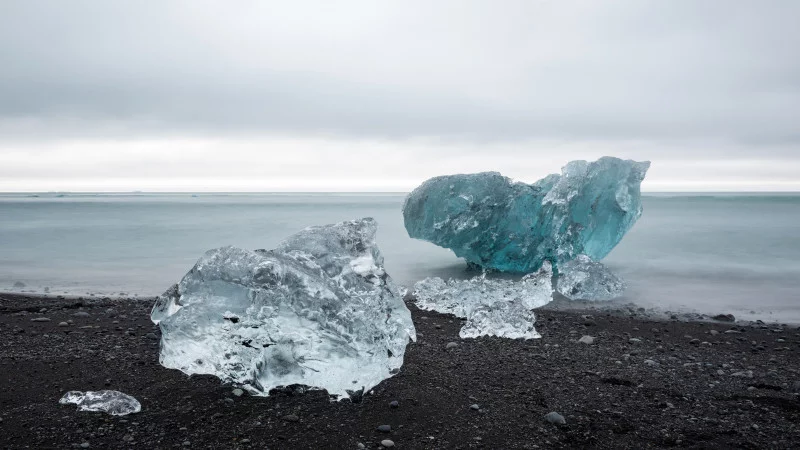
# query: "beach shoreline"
{"type": "Point", "coordinates": [644, 383]}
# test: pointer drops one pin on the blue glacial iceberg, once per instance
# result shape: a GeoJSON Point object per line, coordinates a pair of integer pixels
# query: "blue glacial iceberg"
{"type": "Point", "coordinates": [495, 223]}
{"type": "Point", "coordinates": [317, 311]}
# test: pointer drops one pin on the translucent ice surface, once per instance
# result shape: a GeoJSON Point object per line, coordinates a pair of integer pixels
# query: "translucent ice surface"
{"type": "Point", "coordinates": [111, 402]}
{"type": "Point", "coordinates": [319, 311]}
{"type": "Point", "coordinates": [584, 279]}
{"type": "Point", "coordinates": [499, 307]}
{"type": "Point", "coordinates": [495, 223]}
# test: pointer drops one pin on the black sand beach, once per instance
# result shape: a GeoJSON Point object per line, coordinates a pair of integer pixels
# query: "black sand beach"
{"type": "Point", "coordinates": [642, 384]}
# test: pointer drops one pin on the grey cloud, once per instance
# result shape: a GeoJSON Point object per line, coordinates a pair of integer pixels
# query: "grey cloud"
{"type": "Point", "coordinates": [511, 70]}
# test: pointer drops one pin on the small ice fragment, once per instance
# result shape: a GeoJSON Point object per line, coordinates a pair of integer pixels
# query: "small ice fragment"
{"type": "Point", "coordinates": [500, 308]}
{"type": "Point", "coordinates": [584, 279]}
{"type": "Point", "coordinates": [112, 402]}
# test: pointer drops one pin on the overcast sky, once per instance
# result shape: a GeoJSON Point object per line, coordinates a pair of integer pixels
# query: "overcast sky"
{"type": "Point", "coordinates": [246, 95]}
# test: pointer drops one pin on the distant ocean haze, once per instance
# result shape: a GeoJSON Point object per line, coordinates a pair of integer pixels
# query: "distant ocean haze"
{"type": "Point", "coordinates": [713, 253]}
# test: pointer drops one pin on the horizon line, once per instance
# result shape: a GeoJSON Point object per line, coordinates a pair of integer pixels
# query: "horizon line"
{"type": "Point", "coordinates": [349, 192]}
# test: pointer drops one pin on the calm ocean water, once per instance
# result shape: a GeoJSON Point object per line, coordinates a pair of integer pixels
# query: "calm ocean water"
{"type": "Point", "coordinates": [732, 253]}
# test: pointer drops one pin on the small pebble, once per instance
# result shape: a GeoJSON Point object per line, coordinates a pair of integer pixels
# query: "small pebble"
{"type": "Point", "coordinates": [360, 445]}
{"type": "Point", "coordinates": [384, 428]}
{"type": "Point", "coordinates": [474, 407]}
{"type": "Point", "coordinates": [743, 374]}
{"type": "Point", "coordinates": [387, 443]}
{"type": "Point", "coordinates": [84, 445]}
{"type": "Point", "coordinates": [588, 340]}
{"type": "Point", "coordinates": [394, 404]}
{"type": "Point", "coordinates": [237, 392]}
{"type": "Point", "coordinates": [450, 345]}
{"type": "Point", "coordinates": [63, 324]}
{"type": "Point", "coordinates": [41, 319]}
{"type": "Point", "coordinates": [291, 418]}
{"type": "Point", "coordinates": [555, 418]}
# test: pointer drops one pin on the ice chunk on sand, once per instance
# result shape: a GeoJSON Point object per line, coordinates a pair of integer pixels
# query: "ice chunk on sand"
{"type": "Point", "coordinates": [495, 223]}
{"type": "Point", "coordinates": [496, 307]}
{"type": "Point", "coordinates": [584, 279]}
{"type": "Point", "coordinates": [319, 311]}
{"type": "Point", "coordinates": [112, 402]}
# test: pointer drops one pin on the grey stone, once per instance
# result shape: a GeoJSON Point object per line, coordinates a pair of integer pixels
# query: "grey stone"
{"type": "Point", "coordinates": [555, 418]}
{"type": "Point", "coordinates": [63, 324]}
{"type": "Point", "coordinates": [394, 404]}
{"type": "Point", "coordinates": [651, 363]}
{"type": "Point", "coordinates": [474, 407]}
{"type": "Point", "coordinates": [81, 314]}
{"type": "Point", "coordinates": [451, 345]}
{"type": "Point", "coordinates": [743, 374]}
{"type": "Point", "coordinates": [387, 443]}
{"type": "Point", "coordinates": [361, 445]}
{"type": "Point", "coordinates": [237, 392]}
{"type": "Point", "coordinates": [84, 445]}
{"type": "Point", "coordinates": [589, 340]}
{"type": "Point", "coordinates": [41, 319]}
{"type": "Point", "coordinates": [725, 318]}
{"type": "Point", "coordinates": [384, 428]}
{"type": "Point", "coordinates": [291, 418]}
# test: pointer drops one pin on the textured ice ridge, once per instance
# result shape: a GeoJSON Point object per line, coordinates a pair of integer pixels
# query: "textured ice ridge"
{"type": "Point", "coordinates": [111, 402]}
{"type": "Point", "coordinates": [495, 223]}
{"type": "Point", "coordinates": [318, 311]}
{"type": "Point", "coordinates": [497, 307]}
{"type": "Point", "coordinates": [584, 279]}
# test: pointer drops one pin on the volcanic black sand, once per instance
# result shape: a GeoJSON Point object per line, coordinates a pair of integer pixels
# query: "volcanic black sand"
{"type": "Point", "coordinates": [642, 384]}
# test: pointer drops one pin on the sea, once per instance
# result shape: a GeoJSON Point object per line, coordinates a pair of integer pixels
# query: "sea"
{"type": "Point", "coordinates": [735, 253]}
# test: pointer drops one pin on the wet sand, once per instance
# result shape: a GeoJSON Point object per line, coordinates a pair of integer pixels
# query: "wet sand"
{"type": "Point", "coordinates": [644, 383]}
